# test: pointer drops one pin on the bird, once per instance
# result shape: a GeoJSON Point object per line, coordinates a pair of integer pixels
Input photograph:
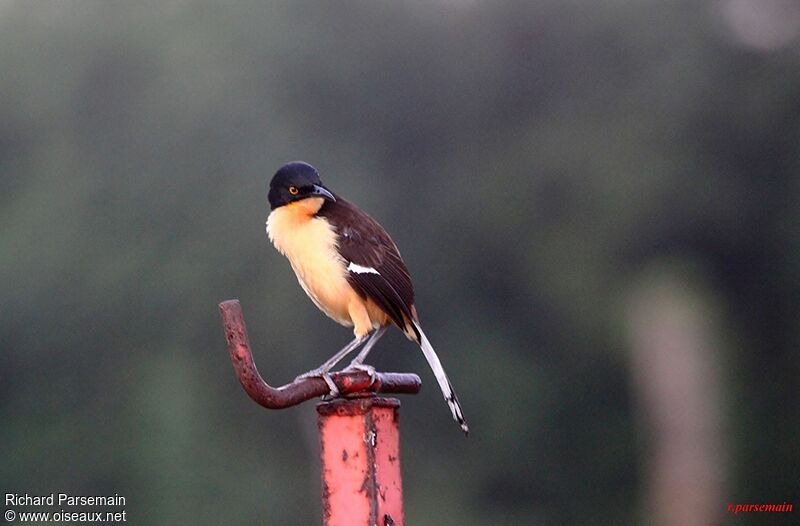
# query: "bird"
{"type": "Point", "coordinates": [350, 268]}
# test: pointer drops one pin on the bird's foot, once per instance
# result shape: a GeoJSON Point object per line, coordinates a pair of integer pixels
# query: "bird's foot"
{"type": "Point", "coordinates": [325, 375]}
{"type": "Point", "coordinates": [370, 370]}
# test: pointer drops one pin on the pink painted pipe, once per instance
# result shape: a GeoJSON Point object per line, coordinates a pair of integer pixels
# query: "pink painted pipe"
{"type": "Point", "coordinates": [359, 435]}
{"type": "Point", "coordinates": [360, 443]}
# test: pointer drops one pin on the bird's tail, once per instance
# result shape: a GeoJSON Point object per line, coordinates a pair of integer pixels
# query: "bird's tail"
{"type": "Point", "coordinates": [444, 383]}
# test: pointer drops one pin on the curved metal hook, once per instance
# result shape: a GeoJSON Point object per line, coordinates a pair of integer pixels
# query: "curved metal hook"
{"type": "Point", "coordinates": [349, 383]}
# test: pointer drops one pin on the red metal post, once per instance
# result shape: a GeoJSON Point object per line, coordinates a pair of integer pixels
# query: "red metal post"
{"type": "Point", "coordinates": [360, 442]}
{"type": "Point", "coordinates": [359, 435]}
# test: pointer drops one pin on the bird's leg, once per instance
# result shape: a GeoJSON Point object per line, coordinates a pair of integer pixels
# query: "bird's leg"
{"type": "Point", "coordinates": [358, 361]}
{"type": "Point", "coordinates": [323, 370]}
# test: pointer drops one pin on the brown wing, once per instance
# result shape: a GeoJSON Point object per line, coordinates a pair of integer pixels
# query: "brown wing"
{"type": "Point", "coordinates": [376, 270]}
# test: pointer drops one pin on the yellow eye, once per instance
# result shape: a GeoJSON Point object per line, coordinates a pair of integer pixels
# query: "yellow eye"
{"type": "Point", "coordinates": [293, 190]}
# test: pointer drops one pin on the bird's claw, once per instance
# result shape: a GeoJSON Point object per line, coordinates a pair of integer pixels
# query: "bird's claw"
{"type": "Point", "coordinates": [334, 391]}
{"type": "Point", "coordinates": [325, 375]}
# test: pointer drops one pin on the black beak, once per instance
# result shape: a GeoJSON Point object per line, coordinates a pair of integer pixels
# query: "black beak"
{"type": "Point", "coordinates": [321, 191]}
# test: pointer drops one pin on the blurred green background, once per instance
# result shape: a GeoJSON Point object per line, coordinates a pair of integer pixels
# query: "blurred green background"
{"type": "Point", "coordinates": [575, 187]}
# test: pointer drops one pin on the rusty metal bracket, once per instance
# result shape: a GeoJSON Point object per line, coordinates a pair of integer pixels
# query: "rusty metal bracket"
{"type": "Point", "coordinates": [350, 384]}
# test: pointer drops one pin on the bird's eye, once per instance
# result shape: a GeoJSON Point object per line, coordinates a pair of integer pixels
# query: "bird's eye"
{"type": "Point", "coordinates": [293, 190]}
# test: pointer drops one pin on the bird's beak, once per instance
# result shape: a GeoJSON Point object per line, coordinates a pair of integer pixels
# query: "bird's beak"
{"type": "Point", "coordinates": [321, 191]}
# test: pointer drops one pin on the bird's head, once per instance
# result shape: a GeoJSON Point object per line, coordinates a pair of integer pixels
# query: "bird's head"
{"type": "Point", "coordinates": [296, 181]}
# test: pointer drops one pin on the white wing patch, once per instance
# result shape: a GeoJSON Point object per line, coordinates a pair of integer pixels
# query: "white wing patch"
{"type": "Point", "coordinates": [358, 269]}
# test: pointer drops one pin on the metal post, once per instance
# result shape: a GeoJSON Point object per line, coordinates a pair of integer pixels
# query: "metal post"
{"type": "Point", "coordinates": [359, 434]}
{"type": "Point", "coordinates": [360, 442]}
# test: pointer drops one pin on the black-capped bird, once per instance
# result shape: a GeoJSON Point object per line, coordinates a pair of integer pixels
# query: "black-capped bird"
{"type": "Point", "coordinates": [349, 267]}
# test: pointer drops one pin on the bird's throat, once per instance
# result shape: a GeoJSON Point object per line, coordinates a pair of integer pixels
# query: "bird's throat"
{"type": "Point", "coordinates": [309, 243]}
